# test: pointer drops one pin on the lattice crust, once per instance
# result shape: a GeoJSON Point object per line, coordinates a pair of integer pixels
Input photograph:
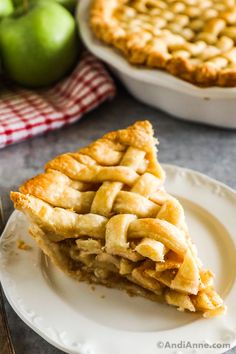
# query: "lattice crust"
{"type": "Point", "coordinates": [102, 214]}
{"type": "Point", "coordinates": [192, 39]}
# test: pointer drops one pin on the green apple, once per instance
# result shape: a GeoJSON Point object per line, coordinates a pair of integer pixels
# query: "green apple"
{"type": "Point", "coordinates": [6, 8]}
{"type": "Point", "coordinates": [69, 4]}
{"type": "Point", "coordinates": [40, 45]}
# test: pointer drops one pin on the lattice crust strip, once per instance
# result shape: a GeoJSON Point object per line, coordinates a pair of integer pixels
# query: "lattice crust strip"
{"type": "Point", "coordinates": [102, 214]}
{"type": "Point", "coordinates": [192, 39]}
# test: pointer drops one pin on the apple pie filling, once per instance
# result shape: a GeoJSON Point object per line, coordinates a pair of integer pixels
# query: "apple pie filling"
{"type": "Point", "coordinates": [151, 279]}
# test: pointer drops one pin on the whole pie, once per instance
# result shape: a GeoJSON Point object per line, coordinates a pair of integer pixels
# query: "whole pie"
{"type": "Point", "coordinates": [102, 215]}
{"type": "Point", "coordinates": [192, 39]}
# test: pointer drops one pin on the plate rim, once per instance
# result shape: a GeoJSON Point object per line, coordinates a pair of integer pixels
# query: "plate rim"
{"type": "Point", "coordinates": [83, 348]}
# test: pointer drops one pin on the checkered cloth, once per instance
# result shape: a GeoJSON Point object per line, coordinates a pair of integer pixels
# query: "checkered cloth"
{"type": "Point", "coordinates": [25, 113]}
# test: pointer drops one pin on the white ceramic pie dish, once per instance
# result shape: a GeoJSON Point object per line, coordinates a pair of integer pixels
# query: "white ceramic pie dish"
{"type": "Point", "coordinates": [77, 319]}
{"type": "Point", "coordinates": [214, 106]}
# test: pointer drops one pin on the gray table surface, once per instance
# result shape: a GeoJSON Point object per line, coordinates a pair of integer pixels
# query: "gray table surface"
{"type": "Point", "coordinates": [206, 149]}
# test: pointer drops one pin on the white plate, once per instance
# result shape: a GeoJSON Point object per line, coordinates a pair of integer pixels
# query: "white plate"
{"type": "Point", "coordinates": [215, 105]}
{"type": "Point", "coordinates": [77, 319]}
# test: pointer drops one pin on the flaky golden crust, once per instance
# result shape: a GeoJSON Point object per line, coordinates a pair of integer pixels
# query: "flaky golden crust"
{"type": "Point", "coordinates": [101, 214]}
{"type": "Point", "coordinates": [193, 41]}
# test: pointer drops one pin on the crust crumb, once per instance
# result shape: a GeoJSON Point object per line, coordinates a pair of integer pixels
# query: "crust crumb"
{"type": "Point", "coordinates": [22, 245]}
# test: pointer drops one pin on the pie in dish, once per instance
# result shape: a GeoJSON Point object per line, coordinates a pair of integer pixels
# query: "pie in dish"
{"type": "Point", "coordinates": [102, 215]}
{"type": "Point", "coordinates": [192, 39]}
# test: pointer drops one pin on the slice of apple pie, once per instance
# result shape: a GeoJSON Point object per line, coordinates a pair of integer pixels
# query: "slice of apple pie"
{"type": "Point", "coordinates": [102, 215]}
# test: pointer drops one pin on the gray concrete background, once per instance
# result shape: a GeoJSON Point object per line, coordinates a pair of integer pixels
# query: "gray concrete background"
{"type": "Point", "coordinates": [206, 149]}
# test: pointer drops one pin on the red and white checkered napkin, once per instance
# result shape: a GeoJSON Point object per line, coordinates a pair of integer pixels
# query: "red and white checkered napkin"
{"type": "Point", "coordinates": [25, 113]}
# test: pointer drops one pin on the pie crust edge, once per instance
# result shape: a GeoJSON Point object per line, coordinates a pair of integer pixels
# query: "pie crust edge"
{"type": "Point", "coordinates": [204, 75]}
